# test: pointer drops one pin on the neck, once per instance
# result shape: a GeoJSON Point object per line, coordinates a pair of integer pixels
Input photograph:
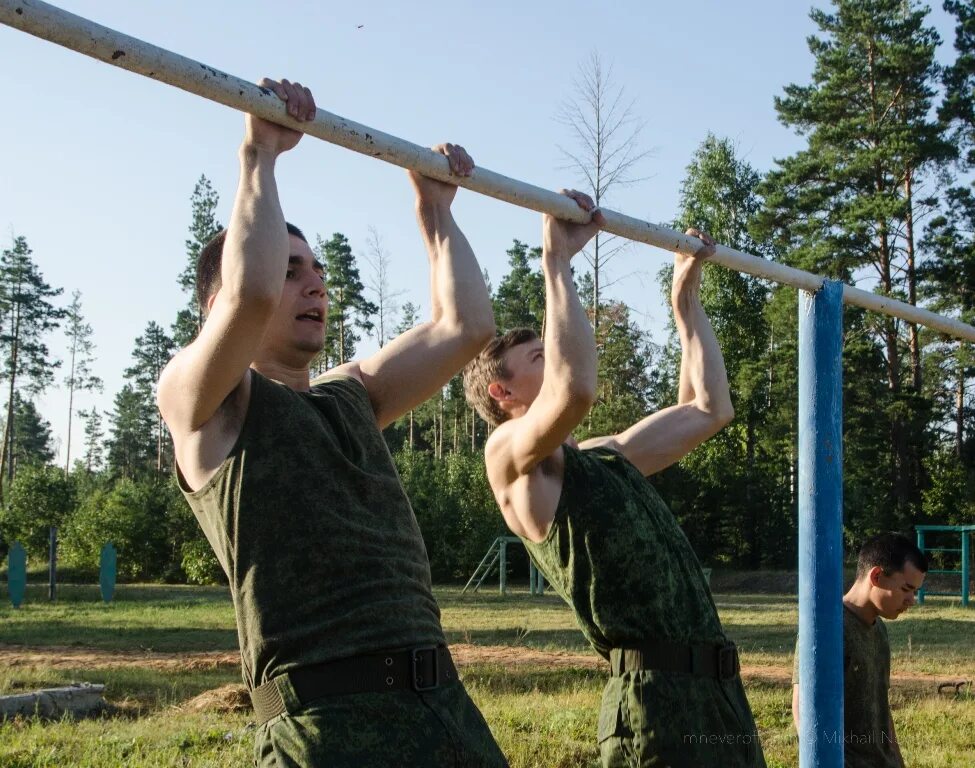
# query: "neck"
{"type": "Point", "coordinates": [296, 378]}
{"type": "Point", "coordinates": [858, 601]}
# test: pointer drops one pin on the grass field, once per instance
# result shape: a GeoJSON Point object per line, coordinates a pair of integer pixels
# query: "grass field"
{"type": "Point", "coordinates": [524, 662]}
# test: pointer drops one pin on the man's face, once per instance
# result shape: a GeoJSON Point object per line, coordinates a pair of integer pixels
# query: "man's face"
{"type": "Point", "coordinates": [894, 594]}
{"type": "Point", "coordinates": [298, 324]}
{"type": "Point", "coordinates": [525, 365]}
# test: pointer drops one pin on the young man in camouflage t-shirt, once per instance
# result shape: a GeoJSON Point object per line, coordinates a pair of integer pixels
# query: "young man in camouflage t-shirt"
{"type": "Point", "coordinates": [340, 637]}
{"type": "Point", "coordinates": [890, 571]}
{"type": "Point", "coordinates": [600, 533]}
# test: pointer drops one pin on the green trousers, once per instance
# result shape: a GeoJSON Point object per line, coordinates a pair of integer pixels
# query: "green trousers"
{"type": "Point", "coordinates": [674, 720]}
{"type": "Point", "coordinates": [435, 729]}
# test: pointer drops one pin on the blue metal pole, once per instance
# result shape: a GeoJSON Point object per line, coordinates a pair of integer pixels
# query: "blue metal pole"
{"type": "Point", "coordinates": [965, 557]}
{"type": "Point", "coordinates": [821, 527]}
{"type": "Point", "coordinates": [920, 545]}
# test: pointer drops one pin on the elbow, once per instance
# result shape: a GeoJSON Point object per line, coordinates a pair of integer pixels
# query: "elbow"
{"type": "Point", "coordinates": [474, 331]}
{"type": "Point", "coordinates": [581, 395]}
{"type": "Point", "coordinates": [723, 414]}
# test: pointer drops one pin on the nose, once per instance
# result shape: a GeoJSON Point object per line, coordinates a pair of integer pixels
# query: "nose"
{"type": "Point", "coordinates": [314, 286]}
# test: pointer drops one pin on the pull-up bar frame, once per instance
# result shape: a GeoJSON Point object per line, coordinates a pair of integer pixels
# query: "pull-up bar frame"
{"type": "Point", "coordinates": [58, 26]}
{"type": "Point", "coordinates": [820, 331]}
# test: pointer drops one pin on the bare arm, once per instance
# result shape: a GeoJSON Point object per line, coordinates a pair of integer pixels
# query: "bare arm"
{"type": "Point", "coordinates": [795, 705]}
{"type": "Point", "coordinates": [255, 259]}
{"type": "Point", "coordinates": [414, 366]}
{"type": "Point", "coordinates": [569, 382]}
{"type": "Point", "coordinates": [704, 400]}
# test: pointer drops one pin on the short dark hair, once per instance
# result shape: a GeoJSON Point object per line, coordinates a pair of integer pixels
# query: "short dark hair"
{"type": "Point", "coordinates": [208, 265]}
{"type": "Point", "coordinates": [891, 551]}
{"type": "Point", "coordinates": [489, 366]}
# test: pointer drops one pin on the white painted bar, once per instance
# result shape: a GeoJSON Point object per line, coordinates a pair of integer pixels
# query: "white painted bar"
{"type": "Point", "coordinates": [58, 26]}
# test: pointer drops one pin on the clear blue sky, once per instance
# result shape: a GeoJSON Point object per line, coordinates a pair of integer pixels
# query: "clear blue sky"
{"type": "Point", "coordinates": [98, 164]}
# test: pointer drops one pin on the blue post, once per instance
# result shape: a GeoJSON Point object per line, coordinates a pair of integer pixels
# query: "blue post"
{"type": "Point", "coordinates": [964, 567]}
{"type": "Point", "coordinates": [821, 527]}
{"type": "Point", "coordinates": [107, 571]}
{"type": "Point", "coordinates": [920, 545]}
{"type": "Point", "coordinates": [16, 574]}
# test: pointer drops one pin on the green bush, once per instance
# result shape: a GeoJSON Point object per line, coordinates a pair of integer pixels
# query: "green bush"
{"type": "Point", "coordinates": [200, 564]}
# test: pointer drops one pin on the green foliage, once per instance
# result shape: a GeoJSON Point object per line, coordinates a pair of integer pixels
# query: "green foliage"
{"type": "Point", "coordinates": [454, 506]}
{"type": "Point", "coordinates": [32, 435]}
{"type": "Point", "coordinates": [348, 308]}
{"type": "Point", "coordinates": [39, 497]}
{"type": "Point", "coordinates": [132, 516]}
{"type": "Point", "coordinates": [200, 564]}
{"type": "Point", "coordinates": [204, 226]}
{"type": "Point", "coordinates": [519, 301]}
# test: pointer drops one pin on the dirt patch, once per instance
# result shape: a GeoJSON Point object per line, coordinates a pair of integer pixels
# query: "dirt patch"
{"type": "Point", "coordinates": [234, 698]}
{"type": "Point", "coordinates": [61, 657]}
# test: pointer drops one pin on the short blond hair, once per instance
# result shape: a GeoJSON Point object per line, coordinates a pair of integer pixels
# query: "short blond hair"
{"type": "Point", "coordinates": [488, 367]}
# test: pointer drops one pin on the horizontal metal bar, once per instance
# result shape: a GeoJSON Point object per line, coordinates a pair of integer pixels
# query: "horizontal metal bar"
{"type": "Point", "coordinates": [954, 528]}
{"type": "Point", "coordinates": [954, 573]}
{"type": "Point", "coordinates": [942, 549]}
{"type": "Point", "coordinates": [942, 594]}
{"type": "Point", "coordinates": [58, 26]}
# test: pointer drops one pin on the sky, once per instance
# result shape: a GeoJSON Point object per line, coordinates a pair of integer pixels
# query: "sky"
{"type": "Point", "coordinates": [98, 164]}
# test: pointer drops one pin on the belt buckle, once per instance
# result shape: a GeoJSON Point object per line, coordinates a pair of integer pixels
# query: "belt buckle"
{"type": "Point", "coordinates": [728, 665]}
{"type": "Point", "coordinates": [415, 661]}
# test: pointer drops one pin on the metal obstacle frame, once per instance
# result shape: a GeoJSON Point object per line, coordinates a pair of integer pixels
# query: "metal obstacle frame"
{"type": "Point", "coordinates": [964, 557]}
{"type": "Point", "coordinates": [820, 331]}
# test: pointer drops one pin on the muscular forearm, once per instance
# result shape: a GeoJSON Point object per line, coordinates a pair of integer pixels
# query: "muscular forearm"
{"type": "Point", "coordinates": [256, 250]}
{"type": "Point", "coordinates": [570, 348]}
{"type": "Point", "coordinates": [703, 379]}
{"type": "Point", "coordinates": [458, 294]}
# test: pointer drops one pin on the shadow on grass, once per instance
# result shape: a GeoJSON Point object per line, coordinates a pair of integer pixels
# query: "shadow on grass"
{"type": "Point", "coordinates": [37, 633]}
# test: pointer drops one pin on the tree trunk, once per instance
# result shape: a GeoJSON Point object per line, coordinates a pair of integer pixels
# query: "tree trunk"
{"type": "Point", "coordinates": [914, 342]}
{"type": "Point", "coordinates": [960, 406]}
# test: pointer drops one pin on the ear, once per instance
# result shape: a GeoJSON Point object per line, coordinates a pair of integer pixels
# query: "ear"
{"type": "Point", "coordinates": [213, 298]}
{"type": "Point", "coordinates": [874, 576]}
{"type": "Point", "coordinates": [497, 392]}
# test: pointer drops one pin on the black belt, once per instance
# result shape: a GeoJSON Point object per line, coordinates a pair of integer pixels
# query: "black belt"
{"type": "Point", "coordinates": [715, 660]}
{"type": "Point", "coordinates": [417, 669]}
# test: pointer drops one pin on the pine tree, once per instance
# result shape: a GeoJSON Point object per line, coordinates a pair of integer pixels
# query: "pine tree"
{"type": "Point", "coordinates": [94, 435]}
{"type": "Point", "coordinates": [348, 308]}
{"type": "Point", "coordinates": [80, 356]}
{"type": "Point", "coordinates": [847, 205]}
{"type": "Point", "coordinates": [27, 316]}
{"type": "Point", "coordinates": [151, 353]}
{"type": "Point", "coordinates": [132, 448]}
{"type": "Point", "coordinates": [519, 301]}
{"type": "Point", "coordinates": [203, 227]}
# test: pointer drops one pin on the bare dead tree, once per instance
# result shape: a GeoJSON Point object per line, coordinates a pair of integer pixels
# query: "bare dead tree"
{"type": "Point", "coordinates": [604, 152]}
{"type": "Point", "coordinates": [377, 257]}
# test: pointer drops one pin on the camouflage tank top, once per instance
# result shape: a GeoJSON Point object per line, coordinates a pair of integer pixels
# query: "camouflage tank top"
{"type": "Point", "coordinates": [616, 554]}
{"type": "Point", "coordinates": [309, 520]}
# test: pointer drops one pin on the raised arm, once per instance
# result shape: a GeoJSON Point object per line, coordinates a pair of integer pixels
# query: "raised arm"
{"type": "Point", "coordinates": [253, 266]}
{"type": "Point", "coordinates": [418, 363]}
{"type": "Point", "coordinates": [704, 400]}
{"type": "Point", "coordinates": [568, 386]}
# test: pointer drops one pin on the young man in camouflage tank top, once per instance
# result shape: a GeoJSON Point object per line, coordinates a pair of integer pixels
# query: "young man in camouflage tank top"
{"type": "Point", "coordinates": [890, 571]}
{"type": "Point", "coordinates": [597, 529]}
{"type": "Point", "coordinates": [340, 637]}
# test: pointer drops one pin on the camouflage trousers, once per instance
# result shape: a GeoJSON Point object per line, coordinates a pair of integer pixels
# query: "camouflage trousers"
{"type": "Point", "coordinates": [674, 720]}
{"type": "Point", "coordinates": [440, 728]}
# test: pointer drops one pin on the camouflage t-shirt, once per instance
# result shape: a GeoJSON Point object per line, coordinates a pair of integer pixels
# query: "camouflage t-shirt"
{"type": "Point", "coordinates": [312, 526]}
{"type": "Point", "coordinates": [616, 554]}
{"type": "Point", "coordinates": [866, 680]}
